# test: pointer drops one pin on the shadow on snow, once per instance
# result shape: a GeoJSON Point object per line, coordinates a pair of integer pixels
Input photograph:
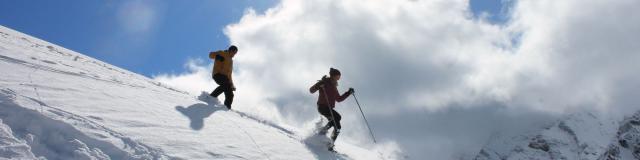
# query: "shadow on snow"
{"type": "Point", "coordinates": [199, 111]}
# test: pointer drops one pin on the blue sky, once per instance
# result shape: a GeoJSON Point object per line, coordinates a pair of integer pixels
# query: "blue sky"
{"type": "Point", "coordinates": [495, 9]}
{"type": "Point", "coordinates": [146, 37]}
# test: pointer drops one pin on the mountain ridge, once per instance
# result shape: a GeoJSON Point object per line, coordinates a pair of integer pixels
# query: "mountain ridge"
{"type": "Point", "coordinates": [582, 135]}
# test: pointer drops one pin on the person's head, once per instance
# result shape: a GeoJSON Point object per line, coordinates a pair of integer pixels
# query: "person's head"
{"type": "Point", "coordinates": [334, 74]}
{"type": "Point", "coordinates": [233, 50]}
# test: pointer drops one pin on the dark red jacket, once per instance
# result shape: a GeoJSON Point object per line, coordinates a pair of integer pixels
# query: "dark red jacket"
{"type": "Point", "coordinates": [328, 92]}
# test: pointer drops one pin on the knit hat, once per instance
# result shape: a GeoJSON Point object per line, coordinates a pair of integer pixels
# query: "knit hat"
{"type": "Point", "coordinates": [334, 72]}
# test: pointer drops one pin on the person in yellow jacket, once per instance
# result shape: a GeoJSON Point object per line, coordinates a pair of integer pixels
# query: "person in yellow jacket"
{"type": "Point", "coordinates": [222, 69]}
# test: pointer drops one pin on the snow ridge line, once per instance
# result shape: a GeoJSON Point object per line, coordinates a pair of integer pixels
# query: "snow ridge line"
{"type": "Point", "coordinates": [50, 48]}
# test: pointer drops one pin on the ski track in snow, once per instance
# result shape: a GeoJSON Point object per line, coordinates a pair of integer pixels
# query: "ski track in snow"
{"type": "Point", "coordinates": [59, 104]}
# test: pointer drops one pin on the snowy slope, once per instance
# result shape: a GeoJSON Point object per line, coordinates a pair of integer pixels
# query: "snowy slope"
{"type": "Point", "coordinates": [579, 136]}
{"type": "Point", "coordinates": [59, 104]}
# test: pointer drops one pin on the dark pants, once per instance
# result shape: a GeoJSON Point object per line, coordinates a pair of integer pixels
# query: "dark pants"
{"type": "Point", "coordinates": [326, 112]}
{"type": "Point", "coordinates": [224, 86]}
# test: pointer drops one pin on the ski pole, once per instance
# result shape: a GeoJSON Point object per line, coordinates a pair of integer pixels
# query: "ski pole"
{"type": "Point", "coordinates": [333, 119]}
{"type": "Point", "coordinates": [365, 118]}
{"type": "Point", "coordinates": [335, 127]}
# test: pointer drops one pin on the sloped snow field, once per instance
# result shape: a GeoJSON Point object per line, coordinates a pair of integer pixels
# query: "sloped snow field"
{"type": "Point", "coordinates": [59, 104]}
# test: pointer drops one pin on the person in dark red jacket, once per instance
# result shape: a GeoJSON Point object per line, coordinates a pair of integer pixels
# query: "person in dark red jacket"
{"type": "Point", "coordinates": [327, 99]}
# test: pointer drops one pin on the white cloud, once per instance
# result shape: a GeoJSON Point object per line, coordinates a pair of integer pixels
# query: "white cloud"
{"type": "Point", "coordinates": [137, 16]}
{"type": "Point", "coordinates": [586, 48]}
{"type": "Point", "coordinates": [196, 80]}
{"type": "Point", "coordinates": [430, 76]}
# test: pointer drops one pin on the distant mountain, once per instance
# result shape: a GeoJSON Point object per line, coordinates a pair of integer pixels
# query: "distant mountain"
{"type": "Point", "coordinates": [579, 136]}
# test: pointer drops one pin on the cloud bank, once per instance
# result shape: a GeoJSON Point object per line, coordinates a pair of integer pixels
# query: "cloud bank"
{"type": "Point", "coordinates": [432, 77]}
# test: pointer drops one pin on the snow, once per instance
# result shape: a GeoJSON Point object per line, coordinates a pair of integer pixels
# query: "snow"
{"type": "Point", "coordinates": [59, 104]}
{"type": "Point", "coordinates": [12, 147]}
{"type": "Point", "coordinates": [582, 135]}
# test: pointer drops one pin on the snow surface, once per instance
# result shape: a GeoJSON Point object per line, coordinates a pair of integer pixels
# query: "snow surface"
{"type": "Point", "coordinates": [11, 147]}
{"type": "Point", "coordinates": [59, 104]}
{"type": "Point", "coordinates": [581, 135]}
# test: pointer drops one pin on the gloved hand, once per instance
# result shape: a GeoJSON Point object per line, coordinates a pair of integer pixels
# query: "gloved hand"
{"type": "Point", "coordinates": [233, 88]}
{"type": "Point", "coordinates": [219, 58]}
{"type": "Point", "coordinates": [351, 91]}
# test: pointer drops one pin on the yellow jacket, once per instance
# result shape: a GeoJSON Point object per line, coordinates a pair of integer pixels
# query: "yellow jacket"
{"type": "Point", "coordinates": [224, 67]}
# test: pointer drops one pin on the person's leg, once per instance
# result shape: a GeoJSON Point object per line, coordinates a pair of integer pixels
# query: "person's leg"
{"type": "Point", "coordinates": [336, 130]}
{"type": "Point", "coordinates": [337, 119]}
{"type": "Point", "coordinates": [225, 87]}
{"type": "Point", "coordinates": [324, 111]}
{"type": "Point", "coordinates": [216, 92]}
{"type": "Point", "coordinates": [219, 79]}
{"type": "Point", "coordinates": [228, 94]}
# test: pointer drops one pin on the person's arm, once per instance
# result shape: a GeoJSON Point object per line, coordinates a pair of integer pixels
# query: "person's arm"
{"type": "Point", "coordinates": [212, 55]}
{"type": "Point", "coordinates": [216, 55]}
{"type": "Point", "coordinates": [318, 85]}
{"type": "Point", "coordinates": [315, 87]}
{"type": "Point", "coordinates": [345, 95]}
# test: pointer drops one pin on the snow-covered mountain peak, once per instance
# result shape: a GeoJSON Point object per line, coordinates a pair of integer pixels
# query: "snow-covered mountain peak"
{"type": "Point", "coordinates": [582, 135]}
